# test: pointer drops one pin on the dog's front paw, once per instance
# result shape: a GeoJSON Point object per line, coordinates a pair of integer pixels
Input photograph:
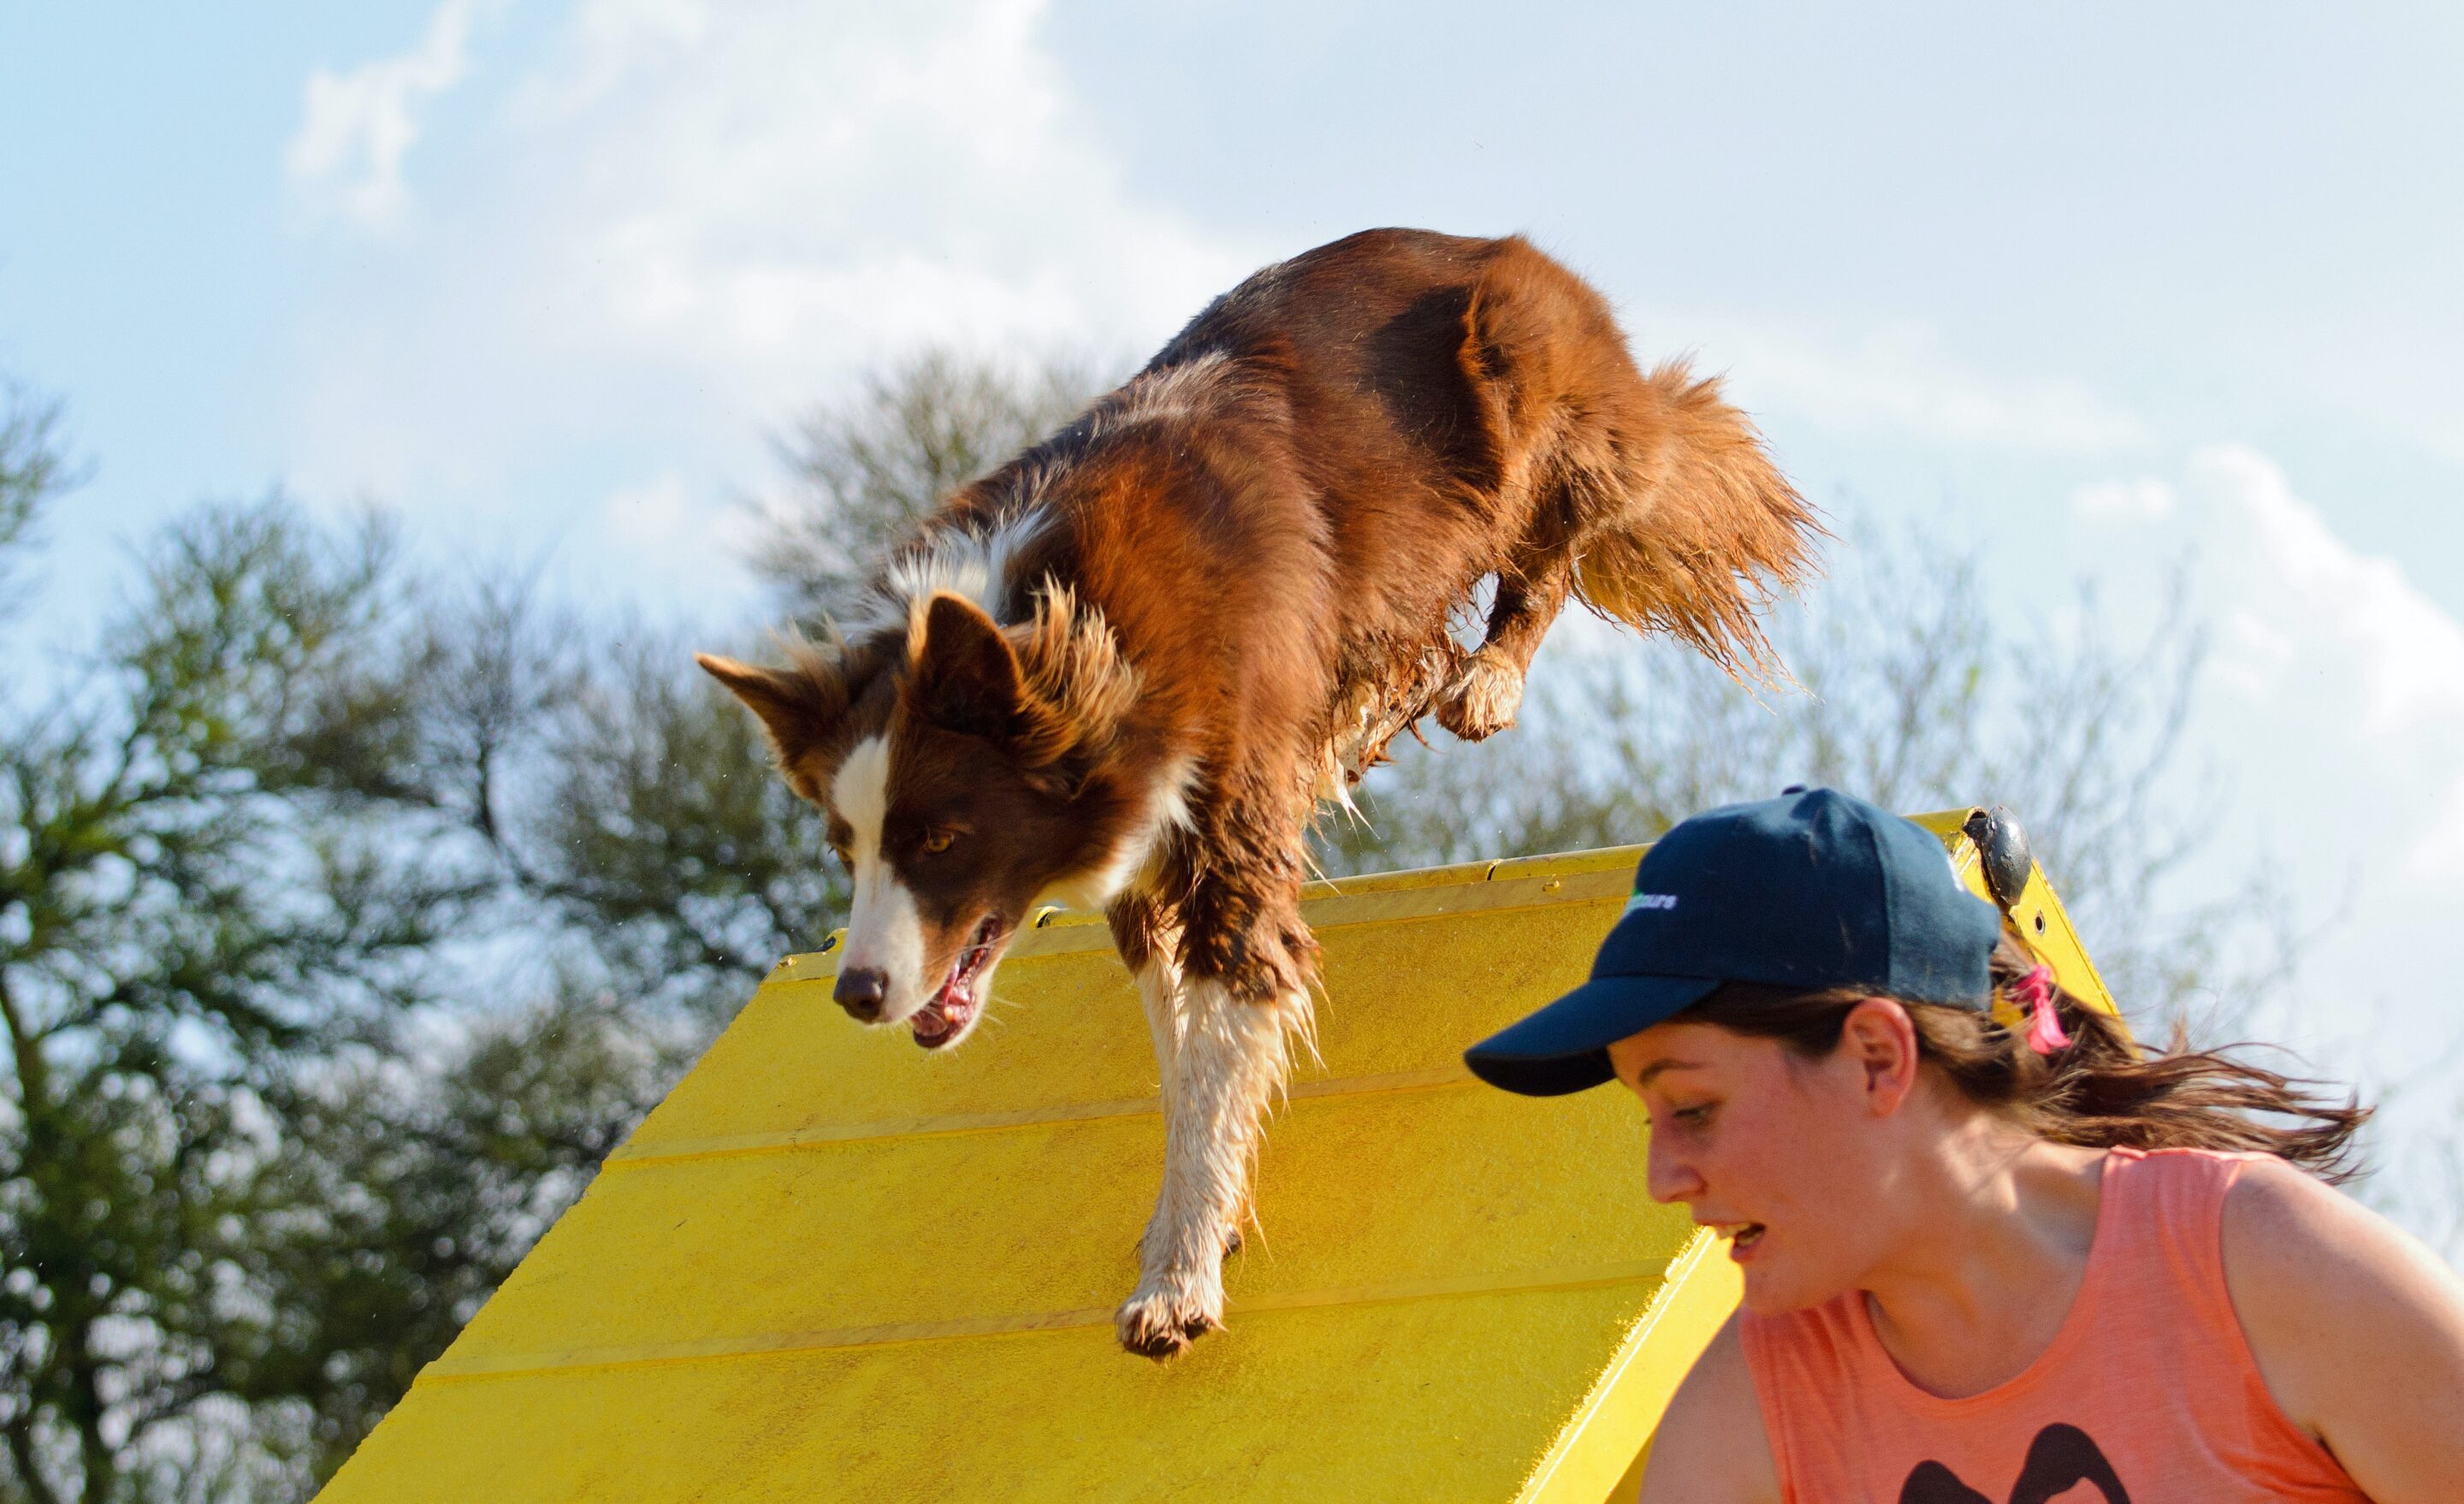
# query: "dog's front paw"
{"type": "Point", "coordinates": [1171, 1308]}
{"type": "Point", "coordinates": [1483, 701]}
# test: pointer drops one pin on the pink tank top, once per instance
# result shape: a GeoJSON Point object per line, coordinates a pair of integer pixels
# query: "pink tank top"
{"type": "Point", "coordinates": [2149, 1391]}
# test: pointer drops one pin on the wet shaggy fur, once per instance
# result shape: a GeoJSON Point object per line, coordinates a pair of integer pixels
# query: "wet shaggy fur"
{"type": "Point", "coordinates": [1127, 666]}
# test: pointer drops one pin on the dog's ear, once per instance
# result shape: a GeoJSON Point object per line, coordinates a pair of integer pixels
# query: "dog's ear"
{"type": "Point", "coordinates": [1079, 688]}
{"type": "Point", "coordinates": [962, 675]}
{"type": "Point", "coordinates": [799, 705]}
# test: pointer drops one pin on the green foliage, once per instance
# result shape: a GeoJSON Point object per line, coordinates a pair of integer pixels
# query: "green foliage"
{"type": "Point", "coordinates": [195, 906]}
{"type": "Point", "coordinates": [32, 469]}
{"type": "Point", "coordinates": [664, 834]}
{"type": "Point", "coordinates": [406, 1194]}
{"type": "Point", "coordinates": [267, 867]}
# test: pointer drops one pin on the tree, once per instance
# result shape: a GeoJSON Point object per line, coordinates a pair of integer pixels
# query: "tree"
{"type": "Point", "coordinates": [663, 836]}
{"type": "Point", "coordinates": [32, 470]}
{"type": "Point", "coordinates": [268, 868]}
{"type": "Point", "coordinates": [646, 868]}
{"type": "Point", "coordinates": [1907, 686]}
{"type": "Point", "coordinates": [198, 904]}
{"type": "Point", "coordinates": [414, 1188]}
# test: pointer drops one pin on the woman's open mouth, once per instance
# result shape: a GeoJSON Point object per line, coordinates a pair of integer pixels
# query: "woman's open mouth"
{"type": "Point", "coordinates": [947, 1013]}
{"type": "Point", "coordinates": [1743, 1242]}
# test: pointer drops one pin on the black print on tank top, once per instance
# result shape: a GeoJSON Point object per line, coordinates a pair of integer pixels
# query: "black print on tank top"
{"type": "Point", "coordinates": [2061, 1457]}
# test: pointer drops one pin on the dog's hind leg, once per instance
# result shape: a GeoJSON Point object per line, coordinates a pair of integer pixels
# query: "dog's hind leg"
{"type": "Point", "coordinates": [1484, 695]}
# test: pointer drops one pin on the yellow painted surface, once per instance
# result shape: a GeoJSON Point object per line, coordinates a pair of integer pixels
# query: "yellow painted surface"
{"type": "Point", "coordinates": [832, 1266]}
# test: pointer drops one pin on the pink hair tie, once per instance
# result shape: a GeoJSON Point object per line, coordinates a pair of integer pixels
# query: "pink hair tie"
{"type": "Point", "coordinates": [2033, 994]}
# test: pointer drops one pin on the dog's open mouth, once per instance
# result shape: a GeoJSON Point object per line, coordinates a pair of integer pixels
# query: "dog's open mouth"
{"type": "Point", "coordinates": [948, 1013]}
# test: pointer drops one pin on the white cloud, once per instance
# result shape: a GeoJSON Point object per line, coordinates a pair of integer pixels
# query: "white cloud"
{"type": "Point", "coordinates": [2437, 854]}
{"type": "Point", "coordinates": [355, 127]}
{"type": "Point", "coordinates": [2347, 627]}
{"type": "Point", "coordinates": [2340, 684]}
{"type": "Point", "coordinates": [2334, 712]}
{"type": "Point", "coordinates": [669, 519]}
{"type": "Point", "coordinates": [832, 177]}
{"type": "Point", "coordinates": [683, 222]}
{"type": "Point", "coordinates": [1903, 379]}
{"type": "Point", "coordinates": [2125, 501]}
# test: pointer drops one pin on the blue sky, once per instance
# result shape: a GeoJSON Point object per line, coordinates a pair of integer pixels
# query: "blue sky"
{"type": "Point", "coordinates": [2099, 286]}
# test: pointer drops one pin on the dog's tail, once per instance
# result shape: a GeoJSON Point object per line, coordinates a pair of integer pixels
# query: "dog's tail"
{"type": "Point", "coordinates": [1703, 527]}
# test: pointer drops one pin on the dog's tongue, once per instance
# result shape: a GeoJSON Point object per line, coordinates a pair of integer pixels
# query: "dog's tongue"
{"type": "Point", "coordinates": [940, 1018]}
{"type": "Point", "coordinates": [933, 1023]}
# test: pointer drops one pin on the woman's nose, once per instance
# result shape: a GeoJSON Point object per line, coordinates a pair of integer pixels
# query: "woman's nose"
{"type": "Point", "coordinates": [1671, 1175]}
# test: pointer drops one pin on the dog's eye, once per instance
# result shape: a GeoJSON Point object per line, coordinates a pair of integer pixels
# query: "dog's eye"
{"type": "Point", "coordinates": [935, 842]}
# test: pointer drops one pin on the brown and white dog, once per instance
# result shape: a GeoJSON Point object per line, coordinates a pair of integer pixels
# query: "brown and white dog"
{"type": "Point", "coordinates": [1122, 670]}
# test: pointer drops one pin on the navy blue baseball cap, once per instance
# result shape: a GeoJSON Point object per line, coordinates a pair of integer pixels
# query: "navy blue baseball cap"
{"type": "Point", "coordinates": [1812, 890]}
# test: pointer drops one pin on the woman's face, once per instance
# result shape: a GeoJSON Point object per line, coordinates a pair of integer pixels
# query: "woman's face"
{"type": "Point", "coordinates": [1782, 1154]}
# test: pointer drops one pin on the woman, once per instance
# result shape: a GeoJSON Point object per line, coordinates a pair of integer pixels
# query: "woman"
{"type": "Point", "coordinates": [1984, 1262]}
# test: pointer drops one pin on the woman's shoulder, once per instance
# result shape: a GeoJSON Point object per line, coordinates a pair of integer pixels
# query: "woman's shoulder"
{"type": "Point", "coordinates": [1711, 1444]}
{"type": "Point", "coordinates": [2297, 1255]}
{"type": "Point", "coordinates": [2290, 1240]}
{"type": "Point", "coordinates": [2210, 1168]}
{"type": "Point", "coordinates": [2304, 1262]}
{"type": "Point", "coordinates": [2357, 1329]}
{"type": "Point", "coordinates": [2192, 1200]}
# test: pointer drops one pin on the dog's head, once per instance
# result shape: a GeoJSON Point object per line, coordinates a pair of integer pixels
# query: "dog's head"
{"type": "Point", "coordinates": [965, 771]}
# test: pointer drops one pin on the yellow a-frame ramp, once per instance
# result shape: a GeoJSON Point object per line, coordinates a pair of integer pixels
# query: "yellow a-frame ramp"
{"type": "Point", "coordinates": [832, 1266]}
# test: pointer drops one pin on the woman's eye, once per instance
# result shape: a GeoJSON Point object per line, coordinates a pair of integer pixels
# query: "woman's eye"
{"type": "Point", "coordinates": [935, 842]}
{"type": "Point", "coordinates": [1693, 1116]}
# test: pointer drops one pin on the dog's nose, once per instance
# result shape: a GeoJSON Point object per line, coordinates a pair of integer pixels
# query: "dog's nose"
{"type": "Point", "coordinates": [861, 992]}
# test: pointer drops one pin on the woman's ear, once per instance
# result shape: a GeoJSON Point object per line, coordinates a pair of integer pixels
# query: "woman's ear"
{"type": "Point", "coordinates": [1881, 1040]}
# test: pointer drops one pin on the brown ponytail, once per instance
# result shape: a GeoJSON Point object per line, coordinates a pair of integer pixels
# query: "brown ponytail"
{"type": "Point", "coordinates": [2101, 1090]}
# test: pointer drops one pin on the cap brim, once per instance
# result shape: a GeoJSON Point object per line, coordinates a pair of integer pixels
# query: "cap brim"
{"type": "Point", "coordinates": [1565, 1046]}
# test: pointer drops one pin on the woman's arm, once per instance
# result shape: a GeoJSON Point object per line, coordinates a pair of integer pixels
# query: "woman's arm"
{"type": "Point", "coordinates": [2358, 1330]}
{"type": "Point", "coordinates": [1710, 1447]}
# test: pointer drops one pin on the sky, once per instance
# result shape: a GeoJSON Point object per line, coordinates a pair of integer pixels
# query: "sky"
{"type": "Point", "coordinates": [2101, 288]}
